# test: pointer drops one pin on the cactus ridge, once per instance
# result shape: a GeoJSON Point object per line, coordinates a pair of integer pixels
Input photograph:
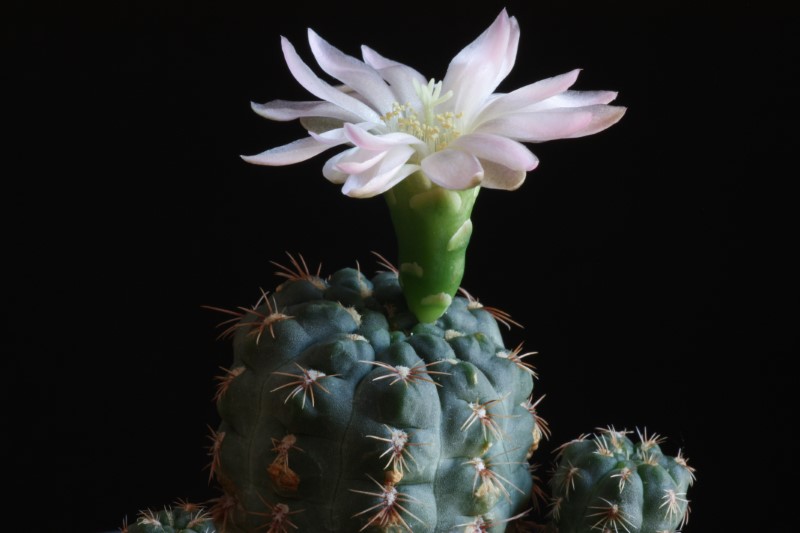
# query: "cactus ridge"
{"type": "Point", "coordinates": [342, 412]}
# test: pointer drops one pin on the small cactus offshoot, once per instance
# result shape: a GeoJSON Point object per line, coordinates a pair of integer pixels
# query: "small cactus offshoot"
{"type": "Point", "coordinates": [607, 483]}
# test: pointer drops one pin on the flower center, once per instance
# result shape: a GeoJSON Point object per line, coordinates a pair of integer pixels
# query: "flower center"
{"type": "Point", "coordinates": [437, 130]}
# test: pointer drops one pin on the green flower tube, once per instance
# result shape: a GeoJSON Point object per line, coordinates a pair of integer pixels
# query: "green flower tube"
{"type": "Point", "coordinates": [433, 229]}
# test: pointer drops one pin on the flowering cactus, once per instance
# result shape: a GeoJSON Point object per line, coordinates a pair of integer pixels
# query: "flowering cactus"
{"type": "Point", "coordinates": [392, 403]}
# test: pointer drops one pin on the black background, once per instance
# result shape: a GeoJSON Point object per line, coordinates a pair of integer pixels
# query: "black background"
{"type": "Point", "coordinates": [650, 264]}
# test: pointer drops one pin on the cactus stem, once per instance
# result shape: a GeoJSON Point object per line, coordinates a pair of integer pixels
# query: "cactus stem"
{"type": "Point", "coordinates": [501, 316]}
{"type": "Point", "coordinates": [566, 478]}
{"type": "Point", "coordinates": [684, 462]}
{"type": "Point", "coordinates": [649, 442]}
{"type": "Point", "coordinates": [279, 471]}
{"type": "Point", "coordinates": [148, 518]}
{"type": "Point", "coordinates": [216, 438]}
{"type": "Point", "coordinates": [365, 292]}
{"type": "Point", "coordinates": [267, 320]}
{"type": "Point", "coordinates": [602, 447]}
{"type": "Point", "coordinates": [672, 501]}
{"type": "Point", "coordinates": [560, 449]}
{"type": "Point", "coordinates": [278, 516]}
{"type": "Point", "coordinates": [405, 374]}
{"type": "Point", "coordinates": [624, 475]}
{"type": "Point", "coordinates": [398, 449]}
{"type": "Point", "coordinates": [491, 481]}
{"type": "Point", "coordinates": [615, 436]}
{"type": "Point", "coordinates": [480, 411]}
{"type": "Point", "coordinates": [610, 517]}
{"type": "Point", "coordinates": [307, 378]}
{"type": "Point", "coordinates": [225, 380]}
{"type": "Point", "coordinates": [483, 524]}
{"type": "Point", "coordinates": [517, 358]}
{"type": "Point", "coordinates": [299, 271]}
{"type": "Point", "coordinates": [542, 424]}
{"type": "Point", "coordinates": [388, 508]}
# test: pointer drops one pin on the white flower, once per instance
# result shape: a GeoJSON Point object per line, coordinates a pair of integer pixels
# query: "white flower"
{"type": "Point", "coordinates": [458, 131]}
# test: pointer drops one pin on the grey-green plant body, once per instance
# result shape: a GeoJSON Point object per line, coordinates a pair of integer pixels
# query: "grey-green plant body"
{"type": "Point", "coordinates": [607, 484]}
{"type": "Point", "coordinates": [343, 412]}
{"type": "Point", "coordinates": [181, 518]}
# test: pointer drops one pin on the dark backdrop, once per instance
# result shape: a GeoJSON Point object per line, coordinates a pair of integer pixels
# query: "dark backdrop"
{"type": "Point", "coordinates": [650, 264]}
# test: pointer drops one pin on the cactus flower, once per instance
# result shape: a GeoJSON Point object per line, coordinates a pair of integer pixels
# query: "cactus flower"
{"type": "Point", "coordinates": [430, 144]}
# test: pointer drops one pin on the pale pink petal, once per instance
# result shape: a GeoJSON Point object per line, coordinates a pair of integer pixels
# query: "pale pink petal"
{"type": "Point", "coordinates": [603, 116]}
{"type": "Point", "coordinates": [497, 176]}
{"type": "Point", "coordinates": [329, 168]}
{"type": "Point", "coordinates": [313, 84]}
{"type": "Point", "coordinates": [399, 76]}
{"type": "Point", "coordinates": [358, 187]}
{"type": "Point", "coordinates": [480, 67]}
{"type": "Point", "coordinates": [453, 169]}
{"type": "Point", "coordinates": [331, 137]}
{"type": "Point", "coordinates": [357, 75]}
{"type": "Point", "coordinates": [366, 140]}
{"type": "Point", "coordinates": [284, 110]}
{"type": "Point", "coordinates": [511, 51]}
{"type": "Point", "coordinates": [539, 126]}
{"type": "Point", "coordinates": [574, 99]}
{"type": "Point", "coordinates": [380, 177]}
{"type": "Point", "coordinates": [360, 161]}
{"type": "Point", "coordinates": [507, 152]}
{"type": "Point", "coordinates": [520, 99]}
{"type": "Point", "coordinates": [288, 154]}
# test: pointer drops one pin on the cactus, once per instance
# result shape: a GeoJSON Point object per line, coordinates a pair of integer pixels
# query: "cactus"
{"type": "Point", "coordinates": [391, 403]}
{"type": "Point", "coordinates": [346, 413]}
{"type": "Point", "coordinates": [184, 517]}
{"type": "Point", "coordinates": [607, 484]}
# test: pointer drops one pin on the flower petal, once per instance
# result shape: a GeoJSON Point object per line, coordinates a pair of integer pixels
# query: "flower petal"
{"type": "Point", "coordinates": [294, 152]}
{"type": "Point", "coordinates": [574, 99]}
{"type": "Point", "coordinates": [357, 75]}
{"type": "Point", "coordinates": [507, 152]}
{"type": "Point", "coordinates": [380, 177]}
{"type": "Point", "coordinates": [364, 139]}
{"type": "Point", "coordinates": [360, 161]}
{"type": "Point", "coordinates": [497, 176]}
{"type": "Point", "coordinates": [357, 187]}
{"type": "Point", "coordinates": [603, 116]}
{"type": "Point", "coordinates": [479, 68]}
{"type": "Point", "coordinates": [398, 75]}
{"type": "Point", "coordinates": [284, 110]}
{"type": "Point", "coordinates": [330, 171]}
{"type": "Point", "coordinates": [453, 169]}
{"type": "Point", "coordinates": [519, 99]}
{"type": "Point", "coordinates": [539, 126]}
{"type": "Point", "coordinates": [313, 84]}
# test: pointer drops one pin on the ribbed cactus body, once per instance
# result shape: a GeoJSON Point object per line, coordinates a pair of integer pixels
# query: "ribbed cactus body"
{"type": "Point", "coordinates": [185, 518]}
{"type": "Point", "coordinates": [609, 484]}
{"type": "Point", "coordinates": [342, 413]}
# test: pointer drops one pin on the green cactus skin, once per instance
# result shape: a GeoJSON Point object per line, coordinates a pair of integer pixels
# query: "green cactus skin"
{"type": "Point", "coordinates": [608, 484]}
{"type": "Point", "coordinates": [345, 411]}
{"type": "Point", "coordinates": [185, 518]}
{"type": "Point", "coordinates": [433, 228]}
